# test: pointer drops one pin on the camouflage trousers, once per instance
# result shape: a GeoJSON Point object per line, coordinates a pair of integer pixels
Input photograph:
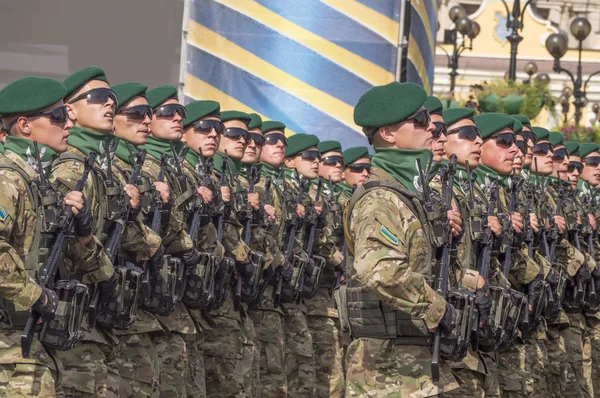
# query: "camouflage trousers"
{"type": "Point", "coordinates": [593, 330]}
{"type": "Point", "coordinates": [470, 374]}
{"type": "Point", "coordinates": [514, 373]}
{"type": "Point", "coordinates": [378, 368]}
{"type": "Point", "coordinates": [172, 359]}
{"type": "Point", "coordinates": [230, 356]}
{"type": "Point", "coordinates": [328, 352]}
{"type": "Point", "coordinates": [491, 385]}
{"type": "Point", "coordinates": [138, 366]}
{"type": "Point", "coordinates": [269, 331]}
{"type": "Point", "coordinates": [299, 359]}
{"type": "Point", "coordinates": [557, 362]}
{"type": "Point", "coordinates": [537, 356]}
{"type": "Point", "coordinates": [36, 376]}
{"type": "Point", "coordinates": [579, 366]}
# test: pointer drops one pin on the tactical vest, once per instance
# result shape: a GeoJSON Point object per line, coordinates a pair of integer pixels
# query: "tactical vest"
{"type": "Point", "coordinates": [367, 315]}
{"type": "Point", "coordinates": [47, 209]}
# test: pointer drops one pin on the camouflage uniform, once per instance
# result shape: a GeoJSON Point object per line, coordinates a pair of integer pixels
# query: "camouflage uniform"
{"type": "Point", "coordinates": [389, 267]}
{"type": "Point", "coordinates": [91, 368]}
{"type": "Point", "coordinates": [300, 366]}
{"type": "Point", "coordinates": [38, 374]}
{"type": "Point", "coordinates": [178, 325]}
{"type": "Point", "coordinates": [323, 317]}
{"type": "Point", "coordinates": [228, 345]}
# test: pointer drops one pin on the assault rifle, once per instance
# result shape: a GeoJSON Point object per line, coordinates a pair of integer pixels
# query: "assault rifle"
{"type": "Point", "coordinates": [315, 263]}
{"type": "Point", "coordinates": [47, 275]}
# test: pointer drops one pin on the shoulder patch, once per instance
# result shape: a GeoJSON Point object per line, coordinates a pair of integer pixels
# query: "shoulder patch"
{"type": "Point", "coordinates": [389, 236]}
{"type": "Point", "coordinates": [3, 213]}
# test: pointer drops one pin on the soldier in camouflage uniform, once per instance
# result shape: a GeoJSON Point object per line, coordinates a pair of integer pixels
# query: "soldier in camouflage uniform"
{"type": "Point", "coordinates": [91, 368]}
{"type": "Point", "coordinates": [33, 111]}
{"type": "Point", "coordinates": [477, 371]}
{"type": "Point", "coordinates": [391, 307]}
{"type": "Point", "coordinates": [496, 163]}
{"type": "Point", "coordinates": [323, 318]}
{"type": "Point", "coordinates": [202, 127]}
{"type": "Point", "coordinates": [357, 167]}
{"type": "Point", "coordinates": [269, 319]}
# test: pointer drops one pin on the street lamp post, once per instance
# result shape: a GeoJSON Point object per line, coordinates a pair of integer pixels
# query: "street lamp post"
{"type": "Point", "coordinates": [465, 27]}
{"type": "Point", "coordinates": [556, 44]}
{"type": "Point", "coordinates": [514, 22]}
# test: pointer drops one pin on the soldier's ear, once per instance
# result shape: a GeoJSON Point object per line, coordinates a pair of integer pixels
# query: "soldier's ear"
{"type": "Point", "coordinates": [288, 163]}
{"type": "Point", "coordinates": [386, 134]}
{"type": "Point", "coordinates": [23, 127]}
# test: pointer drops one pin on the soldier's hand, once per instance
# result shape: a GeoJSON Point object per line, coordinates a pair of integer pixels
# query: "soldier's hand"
{"type": "Point", "coordinates": [319, 208]}
{"type": "Point", "coordinates": [517, 221]}
{"type": "Point", "coordinates": [226, 194]}
{"type": "Point", "coordinates": [254, 201]}
{"type": "Point", "coordinates": [455, 222]}
{"type": "Point", "coordinates": [593, 223]}
{"type": "Point", "coordinates": [534, 222]}
{"type": "Point", "coordinates": [495, 225]}
{"type": "Point", "coordinates": [84, 220]}
{"type": "Point", "coordinates": [270, 212]}
{"type": "Point", "coordinates": [46, 304]}
{"type": "Point", "coordinates": [163, 190]}
{"type": "Point", "coordinates": [448, 322]}
{"type": "Point", "coordinates": [134, 195]}
{"type": "Point", "coordinates": [300, 211]}
{"type": "Point", "coordinates": [579, 222]}
{"type": "Point", "coordinates": [206, 194]}
{"type": "Point", "coordinates": [561, 223]}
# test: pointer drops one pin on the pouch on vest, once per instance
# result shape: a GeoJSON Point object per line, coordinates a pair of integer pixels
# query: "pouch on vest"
{"type": "Point", "coordinates": [223, 278]}
{"type": "Point", "coordinates": [290, 292]}
{"type": "Point", "coordinates": [454, 346]}
{"type": "Point", "coordinates": [200, 282]}
{"type": "Point", "coordinates": [119, 311]}
{"type": "Point", "coordinates": [250, 285]}
{"type": "Point", "coordinates": [64, 331]}
{"type": "Point", "coordinates": [312, 276]}
{"type": "Point", "coordinates": [160, 296]}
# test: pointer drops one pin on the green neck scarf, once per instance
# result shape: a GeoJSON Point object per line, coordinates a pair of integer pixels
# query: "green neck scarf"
{"type": "Point", "coordinates": [125, 151]}
{"type": "Point", "coordinates": [462, 175]}
{"type": "Point", "coordinates": [402, 164]}
{"type": "Point", "coordinates": [157, 147]}
{"type": "Point", "coordinates": [267, 170]}
{"type": "Point", "coordinates": [192, 158]}
{"type": "Point", "coordinates": [25, 149]}
{"type": "Point", "coordinates": [234, 165]}
{"type": "Point", "coordinates": [487, 176]}
{"type": "Point", "coordinates": [87, 141]}
{"type": "Point", "coordinates": [583, 187]}
{"type": "Point", "coordinates": [2, 146]}
{"type": "Point", "coordinates": [343, 187]}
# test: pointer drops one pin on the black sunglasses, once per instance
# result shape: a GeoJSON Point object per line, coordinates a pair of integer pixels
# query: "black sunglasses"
{"type": "Point", "coordinates": [440, 128]}
{"type": "Point", "coordinates": [542, 149]}
{"type": "Point", "coordinates": [333, 160]}
{"type": "Point", "coordinates": [96, 96]}
{"type": "Point", "coordinates": [359, 167]}
{"type": "Point", "coordinates": [206, 126]}
{"type": "Point", "coordinates": [138, 112]}
{"type": "Point", "coordinates": [560, 154]}
{"type": "Point", "coordinates": [573, 165]}
{"type": "Point", "coordinates": [522, 145]}
{"type": "Point", "coordinates": [593, 161]}
{"type": "Point", "coordinates": [311, 155]}
{"type": "Point", "coordinates": [527, 135]}
{"type": "Point", "coordinates": [505, 139]}
{"type": "Point", "coordinates": [258, 139]}
{"type": "Point", "coordinates": [466, 132]}
{"type": "Point", "coordinates": [421, 118]}
{"type": "Point", "coordinates": [169, 110]}
{"type": "Point", "coordinates": [236, 133]}
{"type": "Point", "coordinates": [56, 115]}
{"type": "Point", "coordinates": [272, 139]}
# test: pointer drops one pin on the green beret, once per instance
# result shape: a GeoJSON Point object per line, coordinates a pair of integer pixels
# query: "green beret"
{"type": "Point", "coordinates": [517, 127]}
{"type": "Point", "coordinates": [556, 138]}
{"type": "Point", "coordinates": [523, 119]}
{"type": "Point", "coordinates": [255, 121]}
{"type": "Point", "coordinates": [158, 95]}
{"type": "Point", "coordinates": [540, 133]}
{"type": "Point", "coordinates": [272, 125]}
{"type": "Point", "coordinates": [300, 142]}
{"type": "Point", "coordinates": [587, 148]}
{"type": "Point", "coordinates": [433, 105]}
{"type": "Point", "coordinates": [491, 123]}
{"type": "Point", "coordinates": [351, 155]}
{"type": "Point", "coordinates": [29, 95]}
{"type": "Point", "coordinates": [81, 77]}
{"type": "Point", "coordinates": [329, 146]}
{"type": "Point", "coordinates": [128, 91]}
{"type": "Point", "coordinates": [389, 104]}
{"type": "Point", "coordinates": [198, 109]}
{"type": "Point", "coordinates": [453, 115]}
{"type": "Point", "coordinates": [572, 147]}
{"type": "Point", "coordinates": [235, 115]}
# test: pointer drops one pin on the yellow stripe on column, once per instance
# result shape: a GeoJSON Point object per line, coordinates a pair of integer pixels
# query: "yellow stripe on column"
{"type": "Point", "coordinates": [414, 54]}
{"type": "Point", "coordinates": [200, 90]}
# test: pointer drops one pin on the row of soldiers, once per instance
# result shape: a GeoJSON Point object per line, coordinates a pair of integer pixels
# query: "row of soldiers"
{"type": "Point", "coordinates": [156, 249]}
